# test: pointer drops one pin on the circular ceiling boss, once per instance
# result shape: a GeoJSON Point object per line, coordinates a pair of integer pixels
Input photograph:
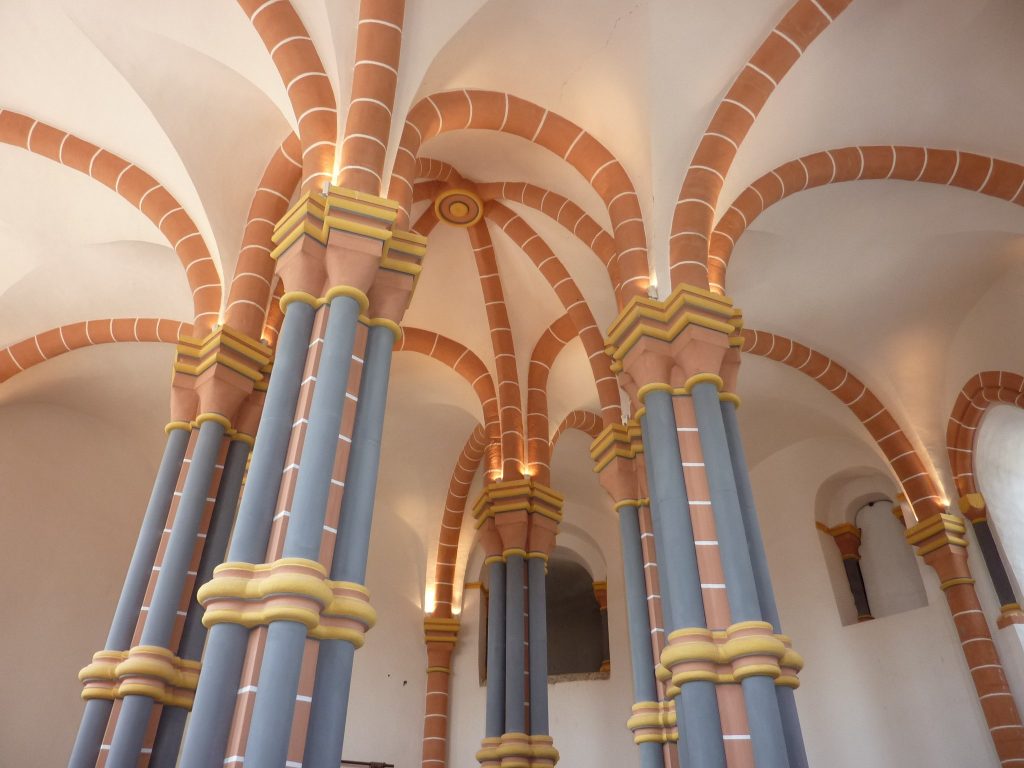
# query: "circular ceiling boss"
{"type": "Point", "coordinates": [459, 207]}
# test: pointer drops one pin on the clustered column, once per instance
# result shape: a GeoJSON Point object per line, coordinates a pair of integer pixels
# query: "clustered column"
{"type": "Point", "coordinates": [847, 538]}
{"type": "Point", "coordinates": [518, 521]}
{"type": "Point", "coordinates": [725, 660]}
{"type": "Point", "coordinates": [138, 689]}
{"type": "Point", "coordinates": [289, 608]}
{"type": "Point", "coordinates": [617, 456]}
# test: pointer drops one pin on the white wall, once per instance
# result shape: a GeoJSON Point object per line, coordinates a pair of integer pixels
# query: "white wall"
{"type": "Point", "coordinates": [889, 693]}
{"type": "Point", "coordinates": [999, 465]}
{"type": "Point", "coordinates": [892, 577]}
{"type": "Point", "coordinates": [74, 489]}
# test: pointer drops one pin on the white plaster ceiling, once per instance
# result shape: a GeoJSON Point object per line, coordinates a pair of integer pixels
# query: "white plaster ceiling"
{"type": "Point", "coordinates": [913, 288]}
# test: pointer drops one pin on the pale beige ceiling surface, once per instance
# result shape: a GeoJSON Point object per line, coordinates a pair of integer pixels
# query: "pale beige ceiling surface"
{"type": "Point", "coordinates": [911, 287]}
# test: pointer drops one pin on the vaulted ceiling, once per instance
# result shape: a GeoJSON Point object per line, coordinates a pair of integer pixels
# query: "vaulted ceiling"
{"type": "Point", "coordinates": [913, 287]}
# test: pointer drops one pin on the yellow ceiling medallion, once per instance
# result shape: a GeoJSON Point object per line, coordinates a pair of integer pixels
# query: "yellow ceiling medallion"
{"type": "Point", "coordinates": [459, 207]}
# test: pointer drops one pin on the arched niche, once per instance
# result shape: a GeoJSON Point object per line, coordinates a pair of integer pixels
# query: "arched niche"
{"type": "Point", "coordinates": [577, 624]}
{"type": "Point", "coordinates": [999, 472]}
{"type": "Point", "coordinates": [872, 570]}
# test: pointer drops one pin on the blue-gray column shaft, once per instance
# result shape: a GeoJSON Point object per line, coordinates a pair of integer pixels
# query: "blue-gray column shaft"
{"type": "Point", "coordinates": [536, 573]}
{"type": "Point", "coordinates": [697, 703]}
{"type": "Point", "coordinates": [170, 582]}
{"type": "Point", "coordinates": [326, 732]}
{"type": "Point", "coordinates": [207, 735]}
{"type": "Point", "coordinates": [857, 588]}
{"type": "Point", "coordinates": [762, 577]}
{"type": "Point", "coordinates": [97, 711]}
{"type": "Point", "coordinates": [766, 732]}
{"type": "Point", "coordinates": [641, 652]}
{"type": "Point", "coordinates": [270, 729]}
{"type": "Point", "coordinates": [495, 724]}
{"type": "Point", "coordinates": [172, 719]}
{"type": "Point", "coordinates": [515, 625]}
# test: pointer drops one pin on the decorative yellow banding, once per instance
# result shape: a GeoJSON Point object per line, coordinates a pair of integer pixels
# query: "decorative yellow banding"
{"type": "Point", "coordinates": [344, 290]}
{"type": "Point", "coordinates": [289, 589]}
{"type": "Point", "coordinates": [299, 296]}
{"type": "Point", "coordinates": [228, 362]}
{"type": "Point", "coordinates": [222, 346]}
{"type": "Point", "coordinates": [653, 722]}
{"type": "Point", "coordinates": [292, 224]}
{"type": "Point", "coordinates": [242, 437]}
{"type": "Point", "coordinates": [445, 670]}
{"type": "Point", "coordinates": [664, 320]}
{"type": "Point", "coordinates": [173, 425]}
{"type": "Point", "coordinates": [144, 670]}
{"type": "Point", "coordinates": [957, 582]}
{"type": "Point", "coordinates": [646, 389]}
{"type": "Point", "coordinates": [616, 441]}
{"type": "Point", "coordinates": [225, 336]}
{"type": "Point", "coordinates": [743, 650]}
{"type": "Point", "coordinates": [404, 253]}
{"type": "Point", "coordinates": [1009, 608]}
{"type": "Point", "coordinates": [524, 495]}
{"type": "Point", "coordinates": [518, 750]}
{"type": "Point", "coordinates": [216, 418]}
{"type": "Point", "coordinates": [936, 532]}
{"type": "Point", "coordinates": [631, 503]}
{"type": "Point", "coordinates": [702, 378]}
{"type": "Point", "coordinates": [488, 752]}
{"type": "Point", "coordinates": [729, 397]}
{"type": "Point", "coordinates": [440, 630]}
{"type": "Point", "coordinates": [542, 750]}
{"type": "Point", "coordinates": [841, 529]}
{"type": "Point", "coordinates": [945, 525]}
{"type": "Point", "coordinates": [971, 501]}
{"type": "Point", "coordinates": [315, 215]}
{"type": "Point", "coordinates": [686, 390]}
{"type": "Point", "coordinates": [349, 292]}
{"type": "Point", "coordinates": [512, 551]}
